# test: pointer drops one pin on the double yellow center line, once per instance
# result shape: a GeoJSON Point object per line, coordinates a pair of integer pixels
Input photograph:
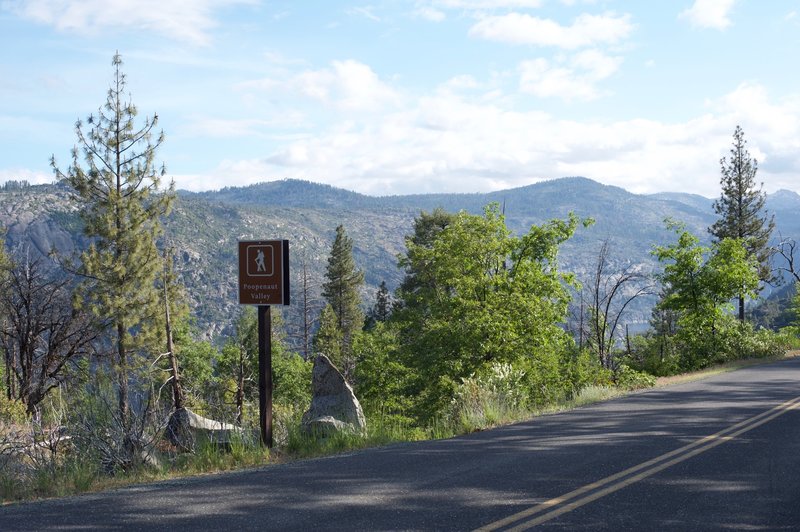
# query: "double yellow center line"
{"type": "Point", "coordinates": [557, 506]}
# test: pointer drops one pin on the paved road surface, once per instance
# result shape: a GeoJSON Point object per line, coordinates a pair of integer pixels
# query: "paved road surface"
{"type": "Point", "coordinates": [718, 454]}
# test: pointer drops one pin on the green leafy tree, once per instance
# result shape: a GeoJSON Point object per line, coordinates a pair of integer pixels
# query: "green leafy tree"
{"type": "Point", "coordinates": [741, 209]}
{"type": "Point", "coordinates": [382, 380]}
{"type": "Point", "coordinates": [341, 290]}
{"type": "Point", "coordinates": [485, 297]}
{"type": "Point", "coordinates": [291, 379]}
{"type": "Point", "coordinates": [122, 206]}
{"type": "Point", "coordinates": [699, 282]}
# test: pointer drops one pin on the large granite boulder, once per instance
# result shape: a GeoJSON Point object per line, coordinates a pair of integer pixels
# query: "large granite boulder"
{"type": "Point", "coordinates": [334, 406]}
{"type": "Point", "coordinates": [185, 429]}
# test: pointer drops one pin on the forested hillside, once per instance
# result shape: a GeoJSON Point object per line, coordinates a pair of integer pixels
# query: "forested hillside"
{"type": "Point", "coordinates": [204, 228]}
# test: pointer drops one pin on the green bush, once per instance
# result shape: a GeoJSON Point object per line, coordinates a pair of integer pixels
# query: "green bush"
{"type": "Point", "coordinates": [490, 398]}
{"type": "Point", "coordinates": [654, 354]}
{"type": "Point", "coordinates": [581, 369]}
{"type": "Point", "coordinates": [630, 379]}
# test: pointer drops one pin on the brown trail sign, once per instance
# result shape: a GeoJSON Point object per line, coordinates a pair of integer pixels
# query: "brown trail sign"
{"type": "Point", "coordinates": [264, 272]}
{"type": "Point", "coordinates": [264, 281]}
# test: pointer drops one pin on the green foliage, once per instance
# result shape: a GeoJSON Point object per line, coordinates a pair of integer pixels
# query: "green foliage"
{"type": "Point", "coordinates": [341, 290]}
{"type": "Point", "coordinates": [291, 379]}
{"type": "Point", "coordinates": [328, 340]}
{"type": "Point", "coordinates": [121, 207]}
{"type": "Point", "coordinates": [741, 206]}
{"type": "Point", "coordinates": [426, 229]}
{"type": "Point", "coordinates": [237, 365]}
{"type": "Point", "coordinates": [497, 395]}
{"type": "Point", "coordinates": [381, 379]}
{"type": "Point", "coordinates": [482, 296]}
{"type": "Point", "coordinates": [699, 283]}
{"type": "Point", "coordinates": [581, 369]}
{"type": "Point", "coordinates": [196, 359]}
{"type": "Point", "coordinates": [693, 348]}
{"type": "Point", "coordinates": [12, 411]}
{"type": "Point", "coordinates": [631, 379]}
{"type": "Point", "coordinates": [382, 308]}
{"type": "Point", "coordinates": [742, 342]}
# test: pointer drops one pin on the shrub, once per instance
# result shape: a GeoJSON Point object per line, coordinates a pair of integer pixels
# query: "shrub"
{"type": "Point", "coordinates": [488, 399]}
{"type": "Point", "coordinates": [630, 379]}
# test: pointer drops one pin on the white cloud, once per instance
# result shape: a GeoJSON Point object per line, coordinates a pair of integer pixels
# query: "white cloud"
{"type": "Point", "coordinates": [476, 5]}
{"type": "Point", "coordinates": [363, 11]}
{"type": "Point", "coordinates": [349, 85]}
{"type": "Point", "coordinates": [446, 142]}
{"type": "Point", "coordinates": [184, 20]}
{"type": "Point", "coordinates": [233, 128]}
{"type": "Point", "coordinates": [586, 30]}
{"type": "Point", "coordinates": [575, 79]}
{"type": "Point", "coordinates": [430, 14]}
{"type": "Point", "coordinates": [712, 14]}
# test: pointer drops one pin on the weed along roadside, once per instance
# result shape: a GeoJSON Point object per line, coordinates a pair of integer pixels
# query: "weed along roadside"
{"type": "Point", "coordinates": [50, 476]}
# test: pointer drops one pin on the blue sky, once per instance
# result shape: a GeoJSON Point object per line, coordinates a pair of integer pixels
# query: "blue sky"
{"type": "Point", "coordinates": [395, 97]}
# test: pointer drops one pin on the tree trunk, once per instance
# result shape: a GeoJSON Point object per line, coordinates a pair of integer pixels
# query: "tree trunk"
{"type": "Point", "coordinates": [177, 391]}
{"type": "Point", "coordinates": [11, 370]}
{"type": "Point", "coordinates": [741, 308]}
{"type": "Point", "coordinates": [122, 375]}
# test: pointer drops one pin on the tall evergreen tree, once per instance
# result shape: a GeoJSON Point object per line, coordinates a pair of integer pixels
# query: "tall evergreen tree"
{"type": "Point", "coordinates": [741, 208]}
{"type": "Point", "coordinates": [122, 206]}
{"type": "Point", "coordinates": [341, 291]}
{"type": "Point", "coordinates": [427, 227]}
{"type": "Point", "coordinates": [383, 303]}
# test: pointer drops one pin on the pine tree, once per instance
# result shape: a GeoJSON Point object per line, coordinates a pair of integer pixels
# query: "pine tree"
{"type": "Point", "coordinates": [741, 208]}
{"type": "Point", "coordinates": [341, 291]}
{"type": "Point", "coordinates": [122, 205]}
{"type": "Point", "coordinates": [383, 303]}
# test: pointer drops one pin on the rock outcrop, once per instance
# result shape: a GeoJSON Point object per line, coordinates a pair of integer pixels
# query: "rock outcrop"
{"type": "Point", "coordinates": [185, 429]}
{"type": "Point", "coordinates": [334, 406]}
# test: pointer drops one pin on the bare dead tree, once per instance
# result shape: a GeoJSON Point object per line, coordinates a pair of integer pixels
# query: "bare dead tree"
{"type": "Point", "coordinates": [611, 293]}
{"type": "Point", "coordinates": [309, 308]}
{"type": "Point", "coordinates": [41, 331]}
{"type": "Point", "coordinates": [169, 275]}
{"type": "Point", "coordinates": [786, 248]}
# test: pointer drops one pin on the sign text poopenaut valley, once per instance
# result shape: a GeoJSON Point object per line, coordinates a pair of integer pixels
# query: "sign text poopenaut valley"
{"type": "Point", "coordinates": [264, 272]}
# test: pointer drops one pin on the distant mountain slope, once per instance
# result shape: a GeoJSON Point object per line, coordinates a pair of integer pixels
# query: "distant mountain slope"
{"type": "Point", "coordinates": [204, 228]}
{"type": "Point", "coordinates": [694, 201]}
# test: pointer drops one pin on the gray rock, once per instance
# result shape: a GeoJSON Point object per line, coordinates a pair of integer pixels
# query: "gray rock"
{"type": "Point", "coordinates": [185, 429]}
{"type": "Point", "coordinates": [334, 406]}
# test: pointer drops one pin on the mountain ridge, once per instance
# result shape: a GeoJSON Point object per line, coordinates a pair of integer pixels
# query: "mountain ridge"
{"type": "Point", "coordinates": [205, 226]}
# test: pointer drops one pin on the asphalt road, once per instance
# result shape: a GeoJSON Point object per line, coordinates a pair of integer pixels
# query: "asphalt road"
{"type": "Point", "coordinates": [717, 454]}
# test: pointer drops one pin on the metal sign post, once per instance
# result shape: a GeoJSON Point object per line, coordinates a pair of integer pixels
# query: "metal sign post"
{"type": "Point", "coordinates": [264, 281]}
{"type": "Point", "coordinates": [265, 374]}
